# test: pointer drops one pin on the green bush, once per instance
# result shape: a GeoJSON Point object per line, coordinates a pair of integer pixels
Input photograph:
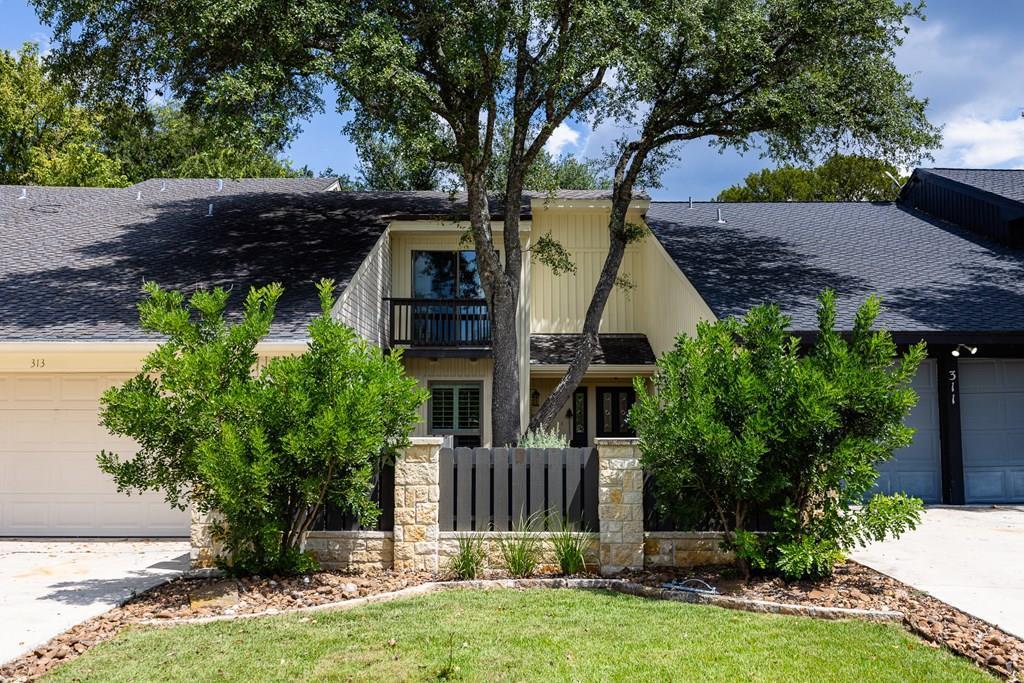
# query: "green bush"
{"type": "Point", "coordinates": [570, 545]}
{"type": "Point", "coordinates": [267, 449]}
{"type": "Point", "coordinates": [470, 557]}
{"type": "Point", "coordinates": [544, 438]}
{"type": "Point", "coordinates": [520, 548]}
{"type": "Point", "coordinates": [742, 420]}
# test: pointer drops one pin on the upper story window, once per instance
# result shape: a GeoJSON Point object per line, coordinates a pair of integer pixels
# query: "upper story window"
{"type": "Point", "coordinates": [445, 275]}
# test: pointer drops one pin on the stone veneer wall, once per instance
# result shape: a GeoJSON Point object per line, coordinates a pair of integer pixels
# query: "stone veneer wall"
{"type": "Point", "coordinates": [418, 544]}
{"type": "Point", "coordinates": [352, 550]}
{"type": "Point", "coordinates": [620, 505]}
{"type": "Point", "coordinates": [684, 549]}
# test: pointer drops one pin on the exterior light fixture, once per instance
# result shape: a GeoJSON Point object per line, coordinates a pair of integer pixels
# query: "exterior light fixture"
{"type": "Point", "coordinates": [969, 349]}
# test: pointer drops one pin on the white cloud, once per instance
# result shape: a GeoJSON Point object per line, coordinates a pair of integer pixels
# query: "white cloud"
{"type": "Point", "coordinates": [976, 142]}
{"type": "Point", "coordinates": [562, 137]}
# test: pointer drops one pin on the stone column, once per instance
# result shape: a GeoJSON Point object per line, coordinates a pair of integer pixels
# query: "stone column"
{"type": "Point", "coordinates": [620, 505]}
{"type": "Point", "coordinates": [417, 492]}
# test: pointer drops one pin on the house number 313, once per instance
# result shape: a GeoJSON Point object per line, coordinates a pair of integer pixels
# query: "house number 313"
{"type": "Point", "coordinates": [38, 363]}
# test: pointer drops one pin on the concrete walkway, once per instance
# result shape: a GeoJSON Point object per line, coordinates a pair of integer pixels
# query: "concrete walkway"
{"type": "Point", "coordinates": [970, 557]}
{"type": "Point", "coordinates": [47, 586]}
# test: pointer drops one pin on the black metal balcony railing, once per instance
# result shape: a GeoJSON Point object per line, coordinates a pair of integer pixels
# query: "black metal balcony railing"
{"type": "Point", "coordinates": [439, 323]}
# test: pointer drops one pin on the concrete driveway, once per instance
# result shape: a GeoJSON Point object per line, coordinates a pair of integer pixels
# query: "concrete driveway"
{"type": "Point", "coordinates": [47, 586]}
{"type": "Point", "coordinates": [970, 557]}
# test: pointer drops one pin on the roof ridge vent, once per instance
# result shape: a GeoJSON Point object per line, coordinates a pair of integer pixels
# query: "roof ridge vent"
{"type": "Point", "coordinates": [720, 219]}
{"type": "Point", "coordinates": [24, 193]}
{"type": "Point", "coordinates": [209, 209]}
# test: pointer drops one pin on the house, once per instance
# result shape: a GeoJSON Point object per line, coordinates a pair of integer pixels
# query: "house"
{"type": "Point", "coordinates": [72, 261]}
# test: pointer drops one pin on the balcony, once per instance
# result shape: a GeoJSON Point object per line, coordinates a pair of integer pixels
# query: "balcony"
{"type": "Point", "coordinates": [440, 327]}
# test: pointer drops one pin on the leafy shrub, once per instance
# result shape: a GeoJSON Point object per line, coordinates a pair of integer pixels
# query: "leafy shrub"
{"type": "Point", "coordinates": [520, 548]}
{"type": "Point", "coordinates": [544, 438]}
{"type": "Point", "coordinates": [470, 557]}
{"type": "Point", "coordinates": [742, 420]}
{"type": "Point", "coordinates": [570, 545]}
{"type": "Point", "coordinates": [265, 449]}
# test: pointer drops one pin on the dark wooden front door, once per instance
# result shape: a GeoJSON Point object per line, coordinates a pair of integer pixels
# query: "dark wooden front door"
{"type": "Point", "coordinates": [613, 404]}
{"type": "Point", "coordinates": [579, 418]}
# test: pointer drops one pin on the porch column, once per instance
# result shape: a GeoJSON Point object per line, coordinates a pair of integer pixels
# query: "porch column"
{"type": "Point", "coordinates": [620, 505]}
{"type": "Point", "coordinates": [417, 492]}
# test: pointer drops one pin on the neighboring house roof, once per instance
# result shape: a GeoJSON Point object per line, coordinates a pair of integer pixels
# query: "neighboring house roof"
{"type": "Point", "coordinates": [1006, 183]}
{"type": "Point", "coordinates": [612, 349]}
{"type": "Point", "coordinates": [74, 258]}
{"type": "Point", "coordinates": [932, 276]}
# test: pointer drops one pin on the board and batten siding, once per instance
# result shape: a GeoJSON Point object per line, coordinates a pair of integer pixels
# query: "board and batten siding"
{"type": "Point", "coordinates": [669, 301]}
{"type": "Point", "coordinates": [361, 304]}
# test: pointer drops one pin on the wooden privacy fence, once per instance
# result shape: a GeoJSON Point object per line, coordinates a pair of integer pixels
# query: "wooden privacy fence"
{"type": "Point", "coordinates": [485, 489]}
{"type": "Point", "coordinates": [333, 519]}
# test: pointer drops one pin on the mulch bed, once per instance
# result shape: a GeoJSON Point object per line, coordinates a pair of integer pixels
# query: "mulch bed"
{"type": "Point", "coordinates": [852, 586]}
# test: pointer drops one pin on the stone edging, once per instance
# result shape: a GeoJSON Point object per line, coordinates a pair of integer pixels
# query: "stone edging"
{"type": "Point", "coordinates": [616, 585]}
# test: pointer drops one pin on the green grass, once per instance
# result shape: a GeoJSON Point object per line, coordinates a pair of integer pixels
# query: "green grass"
{"type": "Point", "coordinates": [542, 635]}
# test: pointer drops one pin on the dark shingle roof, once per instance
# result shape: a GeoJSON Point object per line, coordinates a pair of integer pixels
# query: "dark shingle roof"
{"type": "Point", "coordinates": [1006, 183]}
{"type": "Point", "coordinates": [73, 259]}
{"type": "Point", "coordinates": [613, 349]}
{"type": "Point", "coordinates": [932, 276]}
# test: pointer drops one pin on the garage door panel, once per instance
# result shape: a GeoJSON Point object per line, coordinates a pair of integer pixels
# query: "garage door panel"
{"type": "Point", "coordinates": [915, 469]}
{"type": "Point", "coordinates": [992, 424]}
{"type": "Point", "coordinates": [49, 481]}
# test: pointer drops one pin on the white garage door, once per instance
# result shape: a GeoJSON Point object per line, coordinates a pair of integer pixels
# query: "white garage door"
{"type": "Point", "coordinates": [916, 469]}
{"type": "Point", "coordinates": [992, 427]}
{"type": "Point", "coordinates": [49, 482]}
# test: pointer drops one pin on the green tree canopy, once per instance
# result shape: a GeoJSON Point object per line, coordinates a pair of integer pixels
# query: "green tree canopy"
{"type": "Point", "coordinates": [45, 138]}
{"type": "Point", "coordinates": [841, 178]}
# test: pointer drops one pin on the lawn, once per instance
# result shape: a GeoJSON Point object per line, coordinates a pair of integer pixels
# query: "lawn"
{"type": "Point", "coordinates": [543, 635]}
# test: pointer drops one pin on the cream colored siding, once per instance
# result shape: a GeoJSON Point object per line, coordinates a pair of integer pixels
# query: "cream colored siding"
{"type": "Point", "coordinates": [559, 303]}
{"type": "Point", "coordinates": [427, 370]}
{"type": "Point", "coordinates": [361, 305]}
{"type": "Point", "coordinates": [670, 303]}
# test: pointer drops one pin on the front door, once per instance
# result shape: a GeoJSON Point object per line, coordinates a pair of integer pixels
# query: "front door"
{"type": "Point", "coordinates": [579, 418]}
{"type": "Point", "coordinates": [613, 404]}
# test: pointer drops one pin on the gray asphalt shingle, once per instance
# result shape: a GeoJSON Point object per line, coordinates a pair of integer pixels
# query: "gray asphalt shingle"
{"type": "Point", "coordinates": [932, 276]}
{"type": "Point", "coordinates": [1007, 183]}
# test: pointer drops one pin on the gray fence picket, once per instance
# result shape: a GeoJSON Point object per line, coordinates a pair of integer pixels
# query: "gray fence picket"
{"type": "Point", "coordinates": [446, 479]}
{"type": "Point", "coordinates": [500, 478]}
{"type": "Point", "coordinates": [556, 465]}
{"type": "Point", "coordinates": [573, 478]}
{"type": "Point", "coordinates": [520, 505]}
{"type": "Point", "coordinates": [482, 502]}
{"type": "Point", "coordinates": [589, 488]}
{"type": "Point", "coordinates": [464, 497]}
{"type": "Point", "coordinates": [537, 503]}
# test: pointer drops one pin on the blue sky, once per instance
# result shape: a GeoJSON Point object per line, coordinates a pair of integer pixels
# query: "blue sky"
{"type": "Point", "coordinates": [967, 59]}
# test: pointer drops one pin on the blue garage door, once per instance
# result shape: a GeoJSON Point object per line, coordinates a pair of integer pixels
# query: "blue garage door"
{"type": "Point", "coordinates": [992, 424]}
{"type": "Point", "coordinates": [915, 470]}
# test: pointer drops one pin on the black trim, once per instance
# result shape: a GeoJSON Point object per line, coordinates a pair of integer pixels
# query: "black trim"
{"type": "Point", "coordinates": [950, 443]}
{"type": "Point", "coordinates": [414, 352]}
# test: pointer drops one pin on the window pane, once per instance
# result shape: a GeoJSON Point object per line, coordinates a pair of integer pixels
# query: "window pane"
{"type": "Point", "coordinates": [625, 403]}
{"type": "Point", "coordinates": [607, 425]}
{"type": "Point", "coordinates": [580, 412]}
{"type": "Point", "coordinates": [469, 277]}
{"type": "Point", "coordinates": [469, 408]}
{"type": "Point", "coordinates": [433, 274]}
{"type": "Point", "coordinates": [442, 408]}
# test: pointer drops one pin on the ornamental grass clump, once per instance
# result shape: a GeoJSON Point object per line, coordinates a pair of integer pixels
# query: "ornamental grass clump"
{"type": "Point", "coordinates": [520, 548]}
{"type": "Point", "coordinates": [570, 545]}
{"type": "Point", "coordinates": [469, 559]}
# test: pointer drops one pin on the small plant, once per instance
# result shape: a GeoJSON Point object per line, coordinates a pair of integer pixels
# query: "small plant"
{"type": "Point", "coordinates": [570, 545]}
{"type": "Point", "coordinates": [544, 438]}
{"type": "Point", "coordinates": [468, 561]}
{"type": "Point", "coordinates": [449, 670]}
{"type": "Point", "coordinates": [520, 548]}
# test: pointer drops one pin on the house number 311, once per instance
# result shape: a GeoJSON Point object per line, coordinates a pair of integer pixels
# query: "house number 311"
{"type": "Point", "coordinates": [952, 387]}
